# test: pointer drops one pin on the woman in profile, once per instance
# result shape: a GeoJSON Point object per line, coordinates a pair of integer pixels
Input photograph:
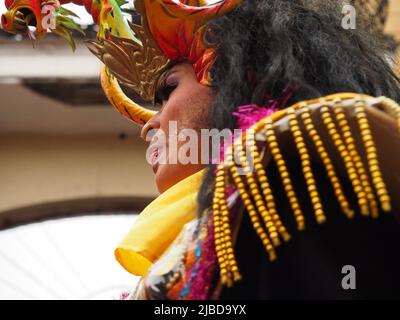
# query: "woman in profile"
{"type": "Point", "coordinates": [301, 205]}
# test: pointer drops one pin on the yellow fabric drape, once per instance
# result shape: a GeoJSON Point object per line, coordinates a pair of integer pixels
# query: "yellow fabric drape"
{"type": "Point", "coordinates": [158, 225]}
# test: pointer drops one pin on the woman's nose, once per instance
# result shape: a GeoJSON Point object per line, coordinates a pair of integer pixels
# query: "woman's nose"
{"type": "Point", "coordinates": [150, 127]}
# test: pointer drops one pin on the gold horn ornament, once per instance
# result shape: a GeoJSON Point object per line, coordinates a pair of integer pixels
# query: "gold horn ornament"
{"type": "Point", "coordinates": [128, 108]}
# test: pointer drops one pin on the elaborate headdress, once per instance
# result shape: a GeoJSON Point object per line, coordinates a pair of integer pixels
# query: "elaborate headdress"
{"type": "Point", "coordinates": [171, 31]}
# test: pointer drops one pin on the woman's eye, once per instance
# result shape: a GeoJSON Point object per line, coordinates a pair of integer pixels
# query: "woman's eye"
{"type": "Point", "coordinates": [167, 90]}
{"type": "Point", "coordinates": [164, 92]}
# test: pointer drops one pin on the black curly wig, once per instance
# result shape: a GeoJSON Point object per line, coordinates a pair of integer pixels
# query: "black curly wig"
{"type": "Point", "coordinates": [265, 44]}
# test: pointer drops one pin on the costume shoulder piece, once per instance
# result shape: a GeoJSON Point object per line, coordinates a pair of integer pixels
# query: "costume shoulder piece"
{"type": "Point", "coordinates": [354, 139]}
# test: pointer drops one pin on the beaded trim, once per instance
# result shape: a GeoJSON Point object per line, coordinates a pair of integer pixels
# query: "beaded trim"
{"type": "Point", "coordinates": [255, 190]}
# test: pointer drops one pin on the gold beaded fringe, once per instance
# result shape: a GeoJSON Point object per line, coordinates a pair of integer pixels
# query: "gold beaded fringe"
{"type": "Point", "coordinates": [249, 177]}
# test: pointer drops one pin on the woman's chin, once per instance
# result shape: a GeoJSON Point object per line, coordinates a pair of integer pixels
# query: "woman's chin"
{"type": "Point", "coordinates": [168, 175]}
{"type": "Point", "coordinates": [162, 177]}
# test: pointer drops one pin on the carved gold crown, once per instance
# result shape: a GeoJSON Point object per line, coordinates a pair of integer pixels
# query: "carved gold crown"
{"type": "Point", "coordinates": [170, 31]}
{"type": "Point", "coordinates": [137, 65]}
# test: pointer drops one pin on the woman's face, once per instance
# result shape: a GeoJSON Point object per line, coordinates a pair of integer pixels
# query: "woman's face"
{"type": "Point", "coordinates": [185, 104]}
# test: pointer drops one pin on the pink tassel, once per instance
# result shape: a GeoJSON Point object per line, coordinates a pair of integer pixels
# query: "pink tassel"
{"type": "Point", "coordinates": [250, 114]}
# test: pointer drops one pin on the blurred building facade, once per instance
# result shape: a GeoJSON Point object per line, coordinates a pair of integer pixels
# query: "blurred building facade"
{"type": "Point", "coordinates": [63, 149]}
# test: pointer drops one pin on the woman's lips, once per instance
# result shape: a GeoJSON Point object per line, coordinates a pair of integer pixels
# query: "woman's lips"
{"type": "Point", "coordinates": [154, 154]}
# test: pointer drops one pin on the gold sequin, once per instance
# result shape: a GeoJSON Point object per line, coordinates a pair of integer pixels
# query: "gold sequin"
{"type": "Point", "coordinates": [351, 170]}
{"type": "Point", "coordinates": [283, 171]}
{"type": "Point", "coordinates": [330, 170]}
{"type": "Point", "coordinates": [306, 166]}
{"type": "Point", "coordinates": [351, 148]}
{"type": "Point", "coordinates": [372, 156]}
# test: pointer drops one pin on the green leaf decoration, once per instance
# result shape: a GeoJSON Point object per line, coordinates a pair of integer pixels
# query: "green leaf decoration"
{"type": "Point", "coordinates": [70, 24]}
{"type": "Point", "coordinates": [65, 12]}
{"type": "Point", "coordinates": [121, 3]}
{"type": "Point", "coordinates": [66, 34]}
